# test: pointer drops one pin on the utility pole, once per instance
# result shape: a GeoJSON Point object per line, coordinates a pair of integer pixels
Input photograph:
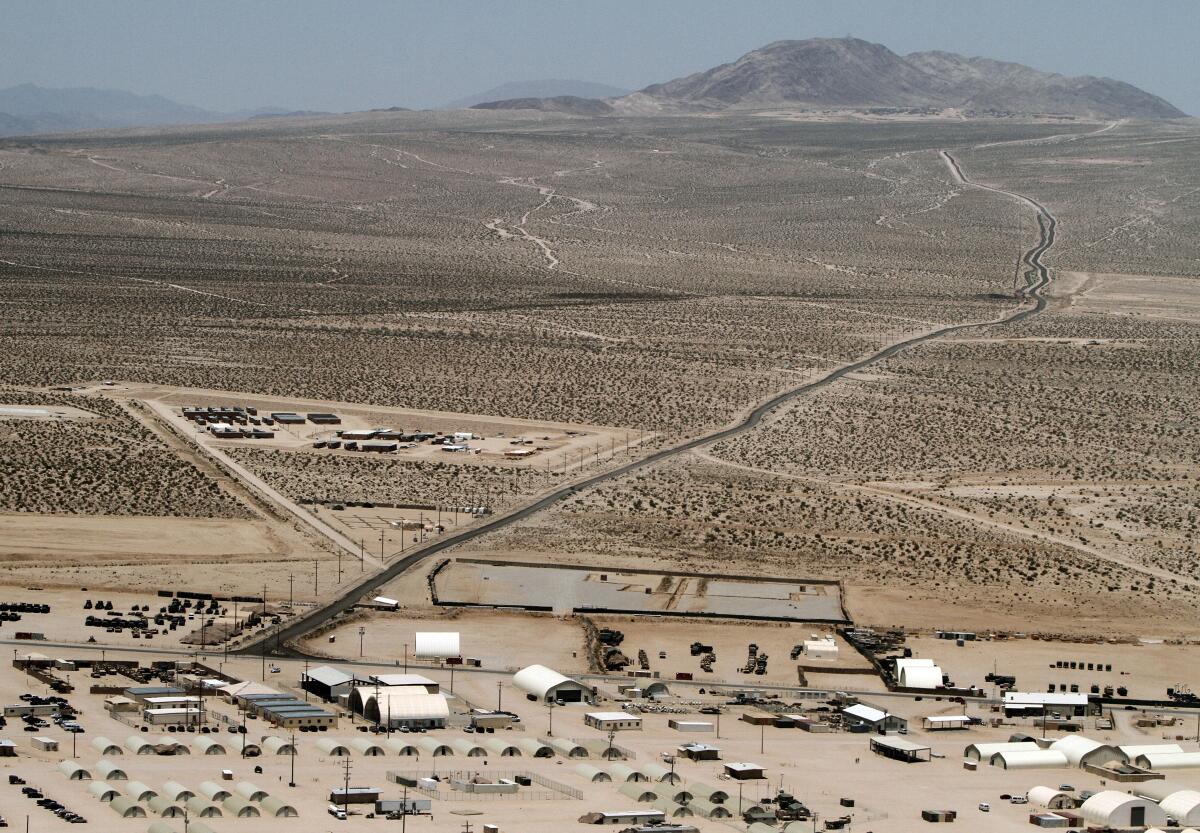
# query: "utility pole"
{"type": "Point", "coordinates": [405, 657]}
{"type": "Point", "coordinates": [500, 688]}
{"type": "Point", "coordinates": [316, 574]}
{"type": "Point", "coordinates": [305, 680]}
{"type": "Point", "coordinates": [291, 587]}
{"type": "Point", "coordinates": [550, 730]}
{"type": "Point", "coordinates": [339, 565]}
{"type": "Point", "coordinates": [346, 792]}
{"type": "Point", "coordinates": [292, 779]}
{"type": "Point", "coordinates": [361, 632]}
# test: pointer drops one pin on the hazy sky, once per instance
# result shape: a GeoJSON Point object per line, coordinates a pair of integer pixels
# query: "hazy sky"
{"type": "Point", "coordinates": [357, 54]}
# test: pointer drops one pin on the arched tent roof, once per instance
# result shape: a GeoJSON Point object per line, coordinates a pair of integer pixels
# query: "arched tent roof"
{"type": "Point", "coordinates": [277, 808]}
{"type": "Point", "coordinates": [501, 748]}
{"type": "Point", "coordinates": [176, 791]}
{"type": "Point", "coordinates": [161, 807]}
{"type": "Point", "coordinates": [1030, 759]}
{"type": "Point", "coordinates": [138, 745]}
{"type": "Point", "coordinates": [624, 772]}
{"type": "Point", "coordinates": [432, 645]}
{"type": "Point", "coordinates": [250, 792]}
{"type": "Point", "coordinates": [127, 808]}
{"type": "Point", "coordinates": [673, 793]}
{"type": "Point", "coordinates": [138, 791]}
{"type": "Point", "coordinates": [240, 808]}
{"type": "Point", "coordinates": [567, 748]}
{"type": "Point", "coordinates": [74, 771]}
{"type": "Point", "coordinates": [464, 747]}
{"type": "Point", "coordinates": [1183, 806]}
{"type": "Point", "coordinates": [332, 746]}
{"type": "Point", "coordinates": [103, 791]}
{"type": "Point", "coordinates": [1168, 760]}
{"type": "Point", "coordinates": [671, 809]}
{"type": "Point", "coordinates": [710, 810]}
{"type": "Point", "coordinates": [708, 793]}
{"type": "Point", "coordinates": [657, 688]}
{"type": "Point", "coordinates": [206, 745]}
{"type": "Point", "coordinates": [1130, 752]}
{"type": "Point", "coordinates": [592, 773]}
{"type": "Point", "coordinates": [433, 747]}
{"type": "Point", "coordinates": [1076, 748]}
{"type": "Point", "coordinates": [278, 746]}
{"type": "Point", "coordinates": [400, 747]}
{"type": "Point", "coordinates": [214, 791]}
{"type": "Point", "coordinates": [197, 806]}
{"type": "Point", "coordinates": [637, 792]}
{"type": "Point", "coordinates": [1159, 788]}
{"type": "Point", "coordinates": [160, 827]}
{"type": "Point", "coordinates": [923, 676]}
{"type": "Point", "coordinates": [658, 772]}
{"type": "Point", "coordinates": [366, 746]}
{"type": "Point", "coordinates": [543, 683]}
{"type": "Point", "coordinates": [1110, 808]}
{"type": "Point", "coordinates": [535, 748]}
{"type": "Point", "coordinates": [398, 703]}
{"type": "Point", "coordinates": [105, 746]}
{"type": "Point", "coordinates": [1050, 798]}
{"type": "Point", "coordinates": [985, 751]}
{"type": "Point", "coordinates": [110, 771]}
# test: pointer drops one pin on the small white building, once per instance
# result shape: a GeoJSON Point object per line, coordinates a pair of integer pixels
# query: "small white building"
{"type": "Point", "coordinates": [821, 648]}
{"type": "Point", "coordinates": [616, 721]}
{"type": "Point", "coordinates": [876, 720]}
{"type": "Point", "coordinates": [183, 716]}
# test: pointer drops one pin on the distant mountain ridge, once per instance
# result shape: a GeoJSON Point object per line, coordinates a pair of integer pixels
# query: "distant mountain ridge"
{"type": "Point", "coordinates": [543, 88]}
{"type": "Point", "coordinates": [29, 108]}
{"type": "Point", "coordinates": [848, 73]}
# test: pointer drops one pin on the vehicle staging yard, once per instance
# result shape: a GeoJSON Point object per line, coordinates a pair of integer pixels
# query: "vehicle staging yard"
{"type": "Point", "coordinates": [564, 589]}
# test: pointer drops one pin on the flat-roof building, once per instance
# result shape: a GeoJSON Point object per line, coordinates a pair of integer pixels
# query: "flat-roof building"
{"type": "Point", "coordinates": [616, 721]}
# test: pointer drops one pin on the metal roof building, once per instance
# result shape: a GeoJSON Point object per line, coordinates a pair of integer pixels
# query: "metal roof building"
{"type": "Point", "coordinates": [985, 751]}
{"type": "Point", "coordinates": [912, 672]}
{"type": "Point", "coordinates": [326, 682]}
{"type": "Point", "coordinates": [1183, 806]}
{"type": "Point", "coordinates": [1168, 760]}
{"type": "Point", "coordinates": [546, 684]}
{"type": "Point", "coordinates": [1050, 798]}
{"type": "Point", "coordinates": [401, 705]}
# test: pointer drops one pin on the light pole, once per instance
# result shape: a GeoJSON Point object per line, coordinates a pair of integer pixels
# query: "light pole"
{"type": "Point", "coordinates": [500, 688]}
{"type": "Point", "coordinates": [292, 779]}
{"type": "Point", "coordinates": [361, 632]}
{"type": "Point", "coordinates": [550, 730]}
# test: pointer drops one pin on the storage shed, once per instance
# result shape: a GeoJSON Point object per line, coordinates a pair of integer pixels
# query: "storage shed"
{"type": "Point", "coordinates": [566, 747]}
{"type": "Point", "coordinates": [501, 748]}
{"type": "Point", "coordinates": [273, 807]}
{"type": "Point", "coordinates": [278, 746]}
{"type": "Point", "coordinates": [103, 791]}
{"type": "Point", "coordinates": [207, 745]}
{"type": "Point", "coordinates": [433, 747]}
{"type": "Point", "coordinates": [163, 808]}
{"type": "Point", "coordinates": [127, 808]}
{"type": "Point", "coordinates": [592, 773]}
{"type": "Point", "coordinates": [367, 747]}
{"type": "Point", "coordinates": [742, 771]}
{"type": "Point", "coordinates": [139, 791]}
{"type": "Point", "coordinates": [105, 746]}
{"type": "Point", "coordinates": [213, 791]}
{"type": "Point", "coordinates": [240, 808]}
{"type": "Point", "coordinates": [332, 746]}
{"type": "Point", "coordinates": [74, 771]}
{"type": "Point", "coordinates": [547, 685]}
{"type": "Point", "coordinates": [637, 791]}
{"type": "Point", "coordinates": [109, 771]}
{"type": "Point", "coordinates": [198, 807]}
{"type": "Point", "coordinates": [535, 748]}
{"type": "Point", "coordinates": [250, 792]}
{"type": "Point", "coordinates": [401, 747]}
{"type": "Point", "coordinates": [1118, 810]}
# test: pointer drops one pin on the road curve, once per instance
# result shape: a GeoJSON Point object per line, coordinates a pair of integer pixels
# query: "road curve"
{"type": "Point", "coordinates": [1038, 278]}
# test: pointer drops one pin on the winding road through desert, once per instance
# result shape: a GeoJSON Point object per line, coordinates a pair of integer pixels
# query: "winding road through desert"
{"type": "Point", "coordinates": [1038, 279]}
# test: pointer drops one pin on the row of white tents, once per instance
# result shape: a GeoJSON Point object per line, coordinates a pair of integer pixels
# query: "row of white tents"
{"type": "Point", "coordinates": [1149, 803]}
{"type": "Point", "coordinates": [1079, 751]}
{"type": "Point", "coordinates": [163, 745]}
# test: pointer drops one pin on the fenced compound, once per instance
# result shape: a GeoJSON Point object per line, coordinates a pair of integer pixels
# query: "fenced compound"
{"type": "Point", "coordinates": [494, 786]}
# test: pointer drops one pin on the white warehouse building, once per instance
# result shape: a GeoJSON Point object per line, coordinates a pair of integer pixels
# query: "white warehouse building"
{"type": "Point", "coordinates": [1110, 809]}
{"type": "Point", "coordinates": [547, 685]}
{"type": "Point", "coordinates": [918, 673]}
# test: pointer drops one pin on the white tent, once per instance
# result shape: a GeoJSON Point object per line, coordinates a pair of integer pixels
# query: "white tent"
{"type": "Point", "coordinates": [1183, 806]}
{"type": "Point", "coordinates": [438, 645]}
{"type": "Point", "coordinates": [547, 684]}
{"type": "Point", "coordinates": [912, 672]}
{"type": "Point", "coordinates": [985, 751]}
{"type": "Point", "coordinates": [1080, 750]}
{"type": "Point", "coordinates": [1050, 798]}
{"type": "Point", "coordinates": [1119, 810]}
{"type": "Point", "coordinates": [105, 746]}
{"type": "Point", "coordinates": [1130, 752]}
{"type": "Point", "coordinates": [103, 791]}
{"type": "Point", "coordinates": [1030, 759]}
{"type": "Point", "coordinates": [1168, 760]}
